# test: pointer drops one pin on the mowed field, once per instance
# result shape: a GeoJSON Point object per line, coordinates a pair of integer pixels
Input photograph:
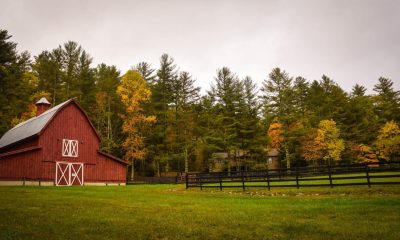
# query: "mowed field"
{"type": "Point", "coordinates": [171, 212]}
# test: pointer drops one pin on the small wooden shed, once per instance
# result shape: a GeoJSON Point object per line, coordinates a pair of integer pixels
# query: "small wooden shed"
{"type": "Point", "coordinates": [273, 159]}
{"type": "Point", "coordinates": [59, 146]}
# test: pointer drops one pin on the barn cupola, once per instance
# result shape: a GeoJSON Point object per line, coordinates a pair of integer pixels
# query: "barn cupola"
{"type": "Point", "coordinates": [42, 106]}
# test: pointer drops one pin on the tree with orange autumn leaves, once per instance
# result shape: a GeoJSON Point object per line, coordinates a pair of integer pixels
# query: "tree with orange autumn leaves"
{"type": "Point", "coordinates": [281, 137]}
{"type": "Point", "coordinates": [134, 92]}
{"type": "Point", "coordinates": [275, 135]}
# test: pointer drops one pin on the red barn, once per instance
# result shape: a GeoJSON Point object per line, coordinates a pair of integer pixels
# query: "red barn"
{"type": "Point", "coordinates": [59, 146]}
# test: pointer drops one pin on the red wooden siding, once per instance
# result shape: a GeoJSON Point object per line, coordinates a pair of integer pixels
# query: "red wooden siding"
{"type": "Point", "coordinates": [20, 166]}
{"type": "Point", "coordinates": [69, 123]}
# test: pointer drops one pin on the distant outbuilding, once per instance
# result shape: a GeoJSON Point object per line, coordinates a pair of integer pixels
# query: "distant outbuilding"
{"type": "Point", "coordinates": [60, 146]}
{"type": "Point", "coordinates": [273, 159]}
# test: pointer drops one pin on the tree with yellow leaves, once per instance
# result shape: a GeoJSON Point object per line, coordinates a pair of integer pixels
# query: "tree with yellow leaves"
{"type": "Point", "coordinates": [134, 92]}
{"type": "Point", "coordinates": [328, 137]}
{"type": "Point", "coordinates": [327, 144]}
{"type": "Point", "coordinates": [388, 141]}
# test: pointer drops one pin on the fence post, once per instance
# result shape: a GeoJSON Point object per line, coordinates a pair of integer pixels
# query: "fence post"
{"type": "Point", "coordinates": [220, 182]}
{"type": "Point", "coordinates": [297, 177]}
{"type": "Point", "coordinates": [330, 176]}
{"type": "Point", "coordinates": [268, 184]}
{"type": "Point", "coordinates": [367, 173]}
{"type": "Point", "coordinates": [186, 178]}
{"type": "Point", "coordinates": [201, 185]}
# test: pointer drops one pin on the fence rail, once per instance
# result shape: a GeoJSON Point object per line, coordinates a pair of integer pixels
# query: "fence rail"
{"type": "Point", "coordinates": [329, 176]}
{"type": "Point", "coordinates": [157, 180]}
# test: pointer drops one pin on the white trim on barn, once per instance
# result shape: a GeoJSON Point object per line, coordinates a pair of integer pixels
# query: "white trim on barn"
{"type": "Point", "coordinates": [70, 148]}
{"type": "Point", "coordinates": [74, 171]}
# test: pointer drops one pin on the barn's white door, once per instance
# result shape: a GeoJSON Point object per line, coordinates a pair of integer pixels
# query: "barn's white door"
{"type": "Point", "coordinates": [68, 174]}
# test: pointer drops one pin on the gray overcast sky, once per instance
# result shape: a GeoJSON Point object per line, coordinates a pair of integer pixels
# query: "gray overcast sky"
{"type": "Point", "coordinates": [350, 41]}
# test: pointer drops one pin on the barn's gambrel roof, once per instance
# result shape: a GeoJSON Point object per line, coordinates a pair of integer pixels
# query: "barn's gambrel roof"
{"type": "Point", "coordinates": [34, 126]}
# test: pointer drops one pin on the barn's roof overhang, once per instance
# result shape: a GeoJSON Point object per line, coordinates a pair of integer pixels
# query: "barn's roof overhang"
{"type": "Point", "coordinates": [113, 157]}
{"type": "Point", "coordinates": [28, 149]}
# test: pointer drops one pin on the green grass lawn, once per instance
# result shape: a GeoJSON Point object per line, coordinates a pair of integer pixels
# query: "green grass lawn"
{"type": "Point", "coordinates": [171, 212]}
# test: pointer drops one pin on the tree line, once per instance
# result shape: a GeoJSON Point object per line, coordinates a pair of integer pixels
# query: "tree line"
{"type": "Point", "coordinates": [156, 117]}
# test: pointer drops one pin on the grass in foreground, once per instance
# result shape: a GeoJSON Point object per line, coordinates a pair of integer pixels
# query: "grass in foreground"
{"type": "Point", "coordinates": [171, 212]}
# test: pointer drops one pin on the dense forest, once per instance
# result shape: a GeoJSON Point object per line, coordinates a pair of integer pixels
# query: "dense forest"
{"type": "Point", "coordinates": [155, 116]}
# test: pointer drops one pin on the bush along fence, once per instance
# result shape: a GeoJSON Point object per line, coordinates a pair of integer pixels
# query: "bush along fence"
{"type": "Point", "coordinates": [321, 176]}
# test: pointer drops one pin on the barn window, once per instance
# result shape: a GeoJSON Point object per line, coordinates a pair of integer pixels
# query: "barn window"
{"type": "Point", "coordinates": [70, 148]}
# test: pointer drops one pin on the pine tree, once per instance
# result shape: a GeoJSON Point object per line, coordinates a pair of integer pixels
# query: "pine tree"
{"type": "Point", "coordinates": [300, 94]}
{"type": "Point", "coordinates": [358, 90]}
{"type": "Point", "coordinates": [48, 68]}
{"type": "Point", "coordinates": [360, 120]}
{"type": "Point", "coordinates": [162, 99]}
{"type": "Point", "coordinates": [185, 95]}
{"type": "Point", "coordinates": [387, 101]}
{"type": "Point", "coordinates": [17, 82]}
{"type": "Point", "coordinates": [278, 95]}
{"type": "Point", "coordinates": [226, 92]}
{"type": "Point", "coordinates": [108, 107]}
{"type": "Point", "coordinates": [250, 131]}
{"type": "Point", "coordinates": [207, 132]}
{"type": "Point", "coordinates": [146, 71]}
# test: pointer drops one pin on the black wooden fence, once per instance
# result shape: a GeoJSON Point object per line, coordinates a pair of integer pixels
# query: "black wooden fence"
{"type": "Point", "coordinates": [329, 176]}
{"type": "Point", "coordinates": [157, 180]}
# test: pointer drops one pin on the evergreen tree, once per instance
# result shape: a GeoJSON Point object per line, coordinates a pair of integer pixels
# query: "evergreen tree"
{"type": "Point", "coordinates": [226, 92]}
{"type": "Point", "coordinates": [360, 120]}
{"type": "Point", "coordinates": [48, 67]}
{"type": "Point", "coordinates": [358, 91]}
{"type": "Point", "coordinates": [108, 108]}
{"type": "Point", "coordinates": [387, 101]}
{"type": "Point", "coordinates": [161, 100]}
{"type": "Point", "coordinates": [17, 82]}
{"type": "Point", "coordinates": [278, 95]}
{"type": "Point", "coordinates": [250, 131]}
{"type": "Point", "coordinates": [86, 82]}
{"type": "Point", "coordinates": [300, 94]}
{"type": "Point", "coordinates": [146, 71]}
{"type": "Point", "coordinates": [185, 96]}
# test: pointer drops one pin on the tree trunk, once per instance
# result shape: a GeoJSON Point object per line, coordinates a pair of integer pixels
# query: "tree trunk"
{"type": "Point", "coordinates": [186, 160]}
{"type": "Point", "coordinates": [133, 170]}
{"type": "Point", "coordinates": [229, 164]}
{"type": "Point", "coordinates": [287, 157]}
{"type": "Point", "coordinates": [109, 127]}
{"type": "Point", "coordinates": [158, 169]}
